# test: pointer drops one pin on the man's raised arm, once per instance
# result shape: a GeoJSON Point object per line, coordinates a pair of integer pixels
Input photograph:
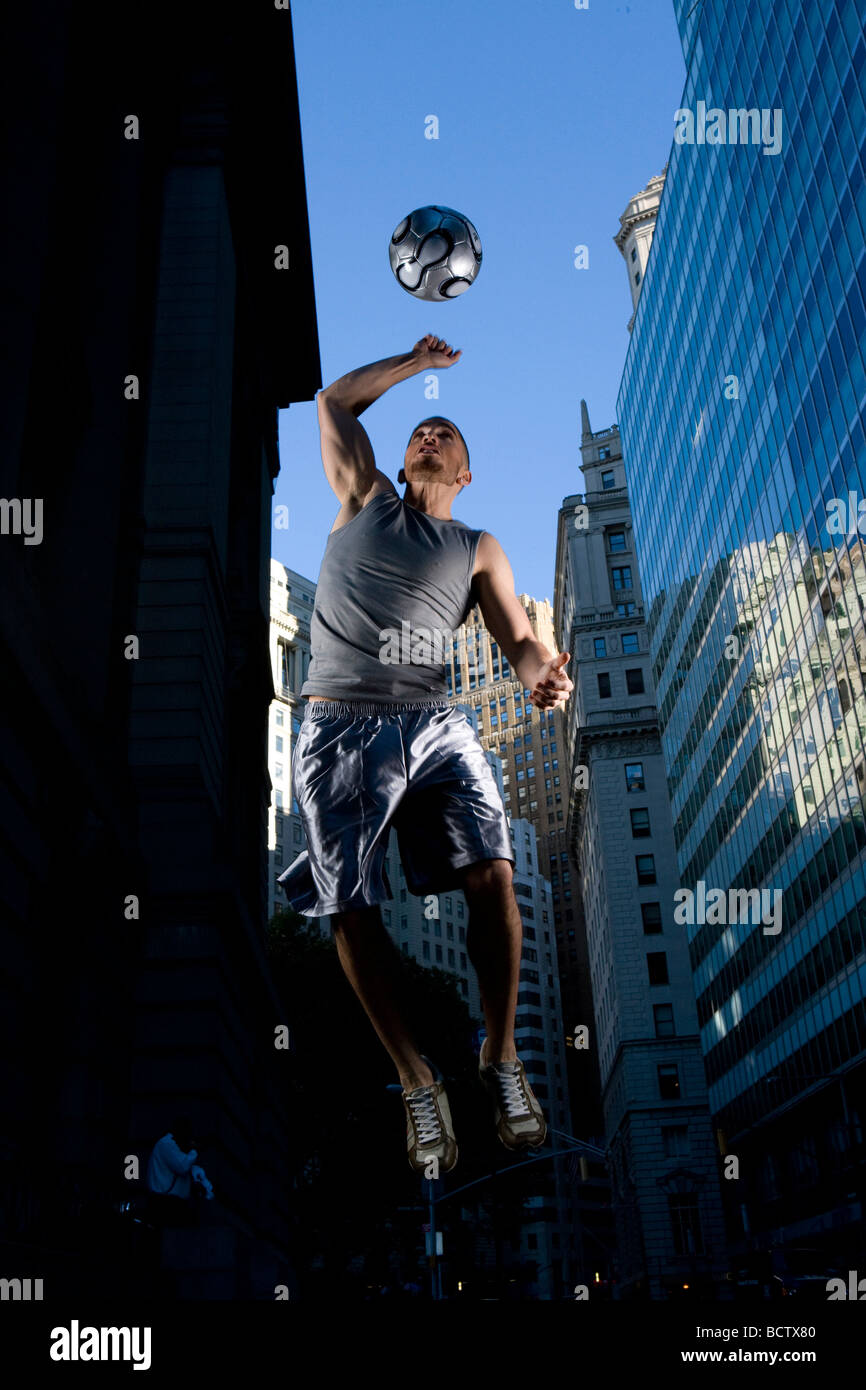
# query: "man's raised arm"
{"type": "Point", "coordinates": [347, 453]}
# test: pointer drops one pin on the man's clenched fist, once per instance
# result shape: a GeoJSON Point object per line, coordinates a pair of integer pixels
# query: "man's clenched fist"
{"type": "Point", "coordinates": [436, 352]}
{"type": "Point", "coordinates": [552, 686]}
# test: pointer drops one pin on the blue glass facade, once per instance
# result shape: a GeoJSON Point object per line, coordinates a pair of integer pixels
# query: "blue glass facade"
{"type": "Point", "coordinates": [742, 412]}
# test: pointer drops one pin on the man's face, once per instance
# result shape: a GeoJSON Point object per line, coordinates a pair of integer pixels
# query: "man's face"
{"type": "Point", "coordinates": [435, 451]}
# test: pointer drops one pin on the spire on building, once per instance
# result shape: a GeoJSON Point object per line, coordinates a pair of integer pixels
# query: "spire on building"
{"type": "Point", "coordinates": [586, 432]}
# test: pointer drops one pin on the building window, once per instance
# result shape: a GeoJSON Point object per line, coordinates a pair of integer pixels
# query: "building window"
{"type": "Point", "coordinates": [634, 253]}
{"type": "Point", "coordinates": [634, 681]}
{"type": "Point", "coordinates": [616, 541]}
{"type": "Point", "coordinates": [663, 1017]}
{"type": "Point", "coordinates": [600, 647]}
{"type": "Point", "coordinates": [278, 769]}
{"type": "Point", "coordinates": [278, 800]}
{"type": "Point", "coordinates": [637, 277]}
{"type": "Point", "coordinates": [278, 717]}
{"type": "Point", "coordinates": [804, 1164]}
{"type": "Point", "coordinates": [669, 1081]}
{"type": "Point", "coordinates": [621, 576]}
{"type": "Point", "coordinates": [451, 961]}
{"type": "Point", "coordinates": [604, 452]}
{"type": "Point", "coordinates": [608, 479]}
{"type": "Point", "coordinates": [296, 834]}
{"type": "Point", "coordinates": [625, 610]}
{"type": "Point", "coordinates": [686, 1223]}
{"type": "Point", "coordinates": [404, 924]}
{"type": "Point", "coordinates": [657, 967]}
{"type": "Point", "coordinates": [405, 948]}
{"type": "Point", "coordinates": [439, 953]}
{"type": "Point", "coordinates": [629, 643]}
{"type": "Point", "coordinates": [604, 685]}
{"type": "Point", "coordinates": [278, 743]}
{"type": "Point", "coordinates": [640, 822]}
{"type": "Point", "coordinates": [425, 949]}
{"type": "Point", "coordinates": [651, 915]}
{"type": "Point", "coordinates": [634, 777]}
{"type": "Point", "coordinates": [675, 1139]}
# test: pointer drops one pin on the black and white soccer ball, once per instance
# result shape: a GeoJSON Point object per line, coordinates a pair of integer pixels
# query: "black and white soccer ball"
{"type": "Point", "coordinates": [435, 253]}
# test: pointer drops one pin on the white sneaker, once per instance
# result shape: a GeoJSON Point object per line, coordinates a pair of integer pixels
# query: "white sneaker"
{"type": "Point", "coordinates": [429, 1132]}
{"type": "Point", "coordinates": [519, 1118]}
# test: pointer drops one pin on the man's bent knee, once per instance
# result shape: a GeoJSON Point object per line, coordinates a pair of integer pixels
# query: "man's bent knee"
{"type": "Point", "coordinates": [488, 875]}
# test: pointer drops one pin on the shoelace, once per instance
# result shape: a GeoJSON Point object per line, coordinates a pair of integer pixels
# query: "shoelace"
{"type": "Point", "coordinates": [511, 1093]}
{"type": "Point", "coordinates": [422, 1107]}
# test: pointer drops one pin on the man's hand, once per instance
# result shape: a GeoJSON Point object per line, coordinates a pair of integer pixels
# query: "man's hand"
{"type": "Point", "coordinates": [435, 352]}
{"type": "Point", "coordinates": [552, 686]}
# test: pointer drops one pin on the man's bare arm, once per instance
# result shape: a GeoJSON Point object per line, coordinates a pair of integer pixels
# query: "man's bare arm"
{"type": "Point", "coordinates": [347, 453]}
{"type": "Point", "coordinates": [538, 669]}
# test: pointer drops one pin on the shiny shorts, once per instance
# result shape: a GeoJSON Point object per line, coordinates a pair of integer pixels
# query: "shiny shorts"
{"type": "Point", "coordinates": [357, 769]}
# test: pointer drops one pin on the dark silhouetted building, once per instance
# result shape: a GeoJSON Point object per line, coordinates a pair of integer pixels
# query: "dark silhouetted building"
{"type": "Point", "coordinates": [151, 334]}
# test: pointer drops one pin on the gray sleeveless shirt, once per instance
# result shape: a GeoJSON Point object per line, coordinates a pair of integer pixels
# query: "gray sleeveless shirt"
{"type": "Point", "coordinates": [393, 586]}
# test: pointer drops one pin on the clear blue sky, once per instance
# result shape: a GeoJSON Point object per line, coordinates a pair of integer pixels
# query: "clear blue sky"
{"type": "Point", "coordinates": [550, 118]}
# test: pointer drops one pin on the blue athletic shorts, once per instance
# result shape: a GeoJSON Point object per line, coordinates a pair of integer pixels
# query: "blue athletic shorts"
{"type": "Point", "coordinates": [357, 769]}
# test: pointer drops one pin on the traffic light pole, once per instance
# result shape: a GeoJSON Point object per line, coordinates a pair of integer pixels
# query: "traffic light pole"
{"type": "Point", "coordinates": [433, 1202]}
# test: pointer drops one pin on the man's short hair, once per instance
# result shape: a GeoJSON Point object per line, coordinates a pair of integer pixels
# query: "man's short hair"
{"type": "Point", "coordinates": [443, 419]}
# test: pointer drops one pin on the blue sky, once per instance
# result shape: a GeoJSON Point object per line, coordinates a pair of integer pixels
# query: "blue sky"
{"type": "Point", "coordinates": [550, 118]}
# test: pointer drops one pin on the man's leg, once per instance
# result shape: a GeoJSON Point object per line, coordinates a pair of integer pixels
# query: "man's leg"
{"type": "Point", "coordinates": [370, 960]}
{"type": "Point", "coordinates": [494, 941]}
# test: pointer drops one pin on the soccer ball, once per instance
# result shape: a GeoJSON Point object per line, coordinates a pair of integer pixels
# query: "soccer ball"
{"type": "Point", "coordinates": [435, 253]}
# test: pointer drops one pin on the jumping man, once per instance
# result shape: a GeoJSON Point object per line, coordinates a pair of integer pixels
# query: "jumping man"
{"type": "Point", "coordinates": [381, 745]}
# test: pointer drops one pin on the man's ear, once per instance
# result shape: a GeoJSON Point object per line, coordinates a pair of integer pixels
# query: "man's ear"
{"type": "Point", "coordinates": [401, 476]}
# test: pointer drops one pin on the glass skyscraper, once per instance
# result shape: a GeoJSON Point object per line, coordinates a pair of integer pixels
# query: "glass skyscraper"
{"type": "Point", "coordinates": [742, 411]}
